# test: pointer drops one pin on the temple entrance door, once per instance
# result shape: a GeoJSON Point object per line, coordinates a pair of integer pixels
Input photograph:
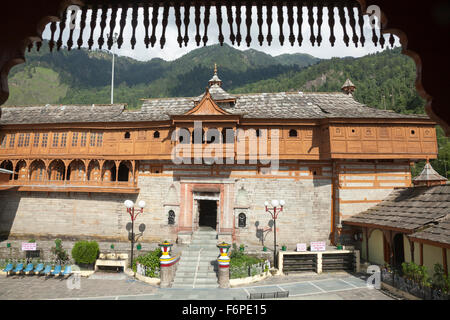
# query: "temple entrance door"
{"type": "Point", "coordinates": [207, 213]}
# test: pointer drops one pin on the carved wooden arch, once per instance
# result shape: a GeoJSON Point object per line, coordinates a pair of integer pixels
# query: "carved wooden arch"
{"type": "Point", "coordinates": [54, 166]}
{"type": "Point", "coordinates": [421, 43]}
{"type": "Point", "coordinates": [69, 166]}
{"type": "Point", "coordinates": [35, 165]}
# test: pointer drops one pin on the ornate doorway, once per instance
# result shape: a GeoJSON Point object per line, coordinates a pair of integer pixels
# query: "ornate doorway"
{"type": "Point", "coordinates": [207, 210]}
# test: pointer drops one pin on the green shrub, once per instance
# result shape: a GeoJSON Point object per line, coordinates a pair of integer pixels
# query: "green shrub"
{"type": "Point", "coordinates": [151, 261]}
{"type": "Point", "coordinates": [440, 280]}
{"type": "Point", "coordinates": [59, 252]}
{"type": "Point", "coordinates": [85, 252]}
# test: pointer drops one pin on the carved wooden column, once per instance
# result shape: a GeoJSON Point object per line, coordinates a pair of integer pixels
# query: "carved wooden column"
{"type": "Point", "coordinates": [101, 164]}
{"type": "Point", "coordinates": [116, 178]}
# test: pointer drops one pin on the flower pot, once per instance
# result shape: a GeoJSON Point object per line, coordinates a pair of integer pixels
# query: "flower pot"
{"type": "Point", "coordinates": [339, 247]}
{"type": "Point", "coordinates": [264, 249]}
{"type": "Point", "coordinates": [241, 249]}
{"type": "Point", "coordinates": [283, 248]}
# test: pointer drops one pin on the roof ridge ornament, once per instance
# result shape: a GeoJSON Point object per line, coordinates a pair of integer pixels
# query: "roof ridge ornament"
{"type": "Point", "coordinates": [215, 79]}
{"type": "Point", "coordinates": [429, 176]}
{"type": "Point", "coordinates": [348, 87]}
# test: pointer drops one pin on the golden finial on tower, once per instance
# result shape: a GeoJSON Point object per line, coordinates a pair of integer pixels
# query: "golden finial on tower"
{"type": "Point", "coordinates": [215, 69]}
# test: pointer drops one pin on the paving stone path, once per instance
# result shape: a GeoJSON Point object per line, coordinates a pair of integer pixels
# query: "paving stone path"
{"type": "Point", "coordinates": [333, 286]}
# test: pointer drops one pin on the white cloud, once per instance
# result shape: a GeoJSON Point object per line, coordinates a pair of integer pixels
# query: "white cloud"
{"type": "Point", "coordinates": [172, 50]}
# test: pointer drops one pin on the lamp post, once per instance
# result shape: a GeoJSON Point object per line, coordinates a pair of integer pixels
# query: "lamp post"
{"type": "Point", "coordinates": [274, 213]}
{"type": "Point", "coordinates": [133, 214]}
{"type": "Point", "coordinates": [114, 38]}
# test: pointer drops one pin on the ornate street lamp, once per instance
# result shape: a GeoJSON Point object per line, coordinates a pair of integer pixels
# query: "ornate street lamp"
{"type": "Point", "coordinates": [277, 207]}
{"type": "Point", "coordinates": [130, 209]}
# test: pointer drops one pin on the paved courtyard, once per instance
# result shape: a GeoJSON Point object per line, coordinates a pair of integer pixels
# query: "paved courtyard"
{"type": "Point", "coordinates": [335, 286]}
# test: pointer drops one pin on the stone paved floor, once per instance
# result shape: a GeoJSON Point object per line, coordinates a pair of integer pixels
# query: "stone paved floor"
{"type": "Point", "coordinates": [334, 286]}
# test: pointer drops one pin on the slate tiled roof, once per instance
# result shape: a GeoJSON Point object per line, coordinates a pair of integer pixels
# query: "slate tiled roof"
{"type": "Point", "coordinates": [281, 105]}
{"type": "Point", "coordinates": [437, 233]}
{"type": "Point", "coordinates": [407, 208]}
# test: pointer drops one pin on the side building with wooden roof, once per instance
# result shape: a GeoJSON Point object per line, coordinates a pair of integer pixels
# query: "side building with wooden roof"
{"type": "Point", "coordinates": [212, 159]}
{"type": "Point", "coordinates": [410, 225]}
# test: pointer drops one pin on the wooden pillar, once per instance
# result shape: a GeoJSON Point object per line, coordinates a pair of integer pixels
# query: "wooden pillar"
{"type": "Point", "coordinates": [101, 164]}
{"type": "Point", "coordinates": [411, 248]}
{"type": "Point", "coordinates": [116, 178]}
{"type": "Point", "coordinates": [14, 163]}
{"type": "Point", "coordinates": [444, 260]}
{"type": "Point", "coordinates": [421, 254]}
{"type": "Point", "coordinates": [367, 244]}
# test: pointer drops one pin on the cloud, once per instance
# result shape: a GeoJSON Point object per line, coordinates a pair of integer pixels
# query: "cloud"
{"type": "Point", "coordinates": [172, 50]}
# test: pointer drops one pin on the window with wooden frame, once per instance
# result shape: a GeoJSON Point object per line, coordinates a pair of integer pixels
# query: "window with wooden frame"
{"type": "Point", "coordinates": [63, 139]}
{"type": "Point", "coordinates": [36, 140]}
{"type": "Point", "coordinates": [55, 140]}
{"type": "Point", "coordinates": [74, 139]}
{"type": "Point", "coordinates": [83, 139]}
{"type": "Point", "coordinates": [293, 133]}
{"type": "Point", "coordinates": [20, 140]}
{"type": "Point", "coordinates": [99, 139]}
{"type": "Point", "coordinates": [26, 143]}
{"type": "Point", "coordinates": [92, 139]}
{"type": "Point", "coordinates": [12, 140]}
{"type": "Point", "coordinates": [3, 141]}
{"type": "Point", "coordinates": [44, 140]}
{"type": "Point", "coordinates": [156, 135]}
{"type": "Point", "coordinates": [315, 171]}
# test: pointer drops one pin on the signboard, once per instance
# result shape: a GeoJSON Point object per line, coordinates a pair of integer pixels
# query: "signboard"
{"type": "Point", "coordinates": [318, 246]}
{"type": "Point", "coordinates": [28, 246]}
{"type": "Point", "coordinates": [301, 246]}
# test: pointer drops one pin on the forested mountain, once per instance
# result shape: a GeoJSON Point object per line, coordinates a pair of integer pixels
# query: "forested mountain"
{"type": "Point", "coordinates": [81, 76]}
{"type": "Point", "coordinates": [383, 80]}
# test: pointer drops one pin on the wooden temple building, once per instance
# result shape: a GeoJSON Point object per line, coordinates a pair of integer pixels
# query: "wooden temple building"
{"type": "Point", "coordinates": [327, 155]}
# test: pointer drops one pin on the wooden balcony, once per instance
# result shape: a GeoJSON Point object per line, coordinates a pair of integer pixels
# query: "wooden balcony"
{"type": "Point", "coordinates": [71, 186]}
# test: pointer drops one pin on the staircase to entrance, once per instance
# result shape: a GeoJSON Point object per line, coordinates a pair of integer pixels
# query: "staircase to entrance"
{"type": "Point", "coordinates": [198, 265]}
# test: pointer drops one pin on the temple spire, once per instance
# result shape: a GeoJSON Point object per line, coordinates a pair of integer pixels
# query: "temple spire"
{"type": "Point", "coordinates": [215, 79]}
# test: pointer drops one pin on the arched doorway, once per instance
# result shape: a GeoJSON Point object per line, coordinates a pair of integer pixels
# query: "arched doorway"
{"type": "Point", "coordinates": [6, 164]}
{"type": "Point", "coordinates": [37, 170]}
{"type": "Point", "coordinates": [57, 170]}
{"type": "Point", "coordinates": [399, 251]}
{"type": "Point", "coordinates": [76, 171]}
{"type": "Point", "coordinates": [124, 171]}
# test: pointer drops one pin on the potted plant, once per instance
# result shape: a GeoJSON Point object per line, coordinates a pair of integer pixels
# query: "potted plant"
{"type": "Point", "coordinates": [241, 248]}
{"type": "Point", "coordinates": [264, 248]}
{"type": "Point", "coordinates": [339, 246]}
{"type": "Point", "coordinates": [283, 248]}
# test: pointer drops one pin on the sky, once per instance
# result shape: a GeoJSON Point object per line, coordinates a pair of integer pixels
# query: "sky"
{"type": "Point", "coordinates": [172, 50]}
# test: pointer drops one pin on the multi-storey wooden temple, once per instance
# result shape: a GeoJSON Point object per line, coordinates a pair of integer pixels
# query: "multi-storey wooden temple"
{"type": "Point", "coordinates": [325, 154]}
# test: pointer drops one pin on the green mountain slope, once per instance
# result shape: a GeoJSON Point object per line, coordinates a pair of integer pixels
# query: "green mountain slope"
{"type": "Point", "coordinates": [87, 75]}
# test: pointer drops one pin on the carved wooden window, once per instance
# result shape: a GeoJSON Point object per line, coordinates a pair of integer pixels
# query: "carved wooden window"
{"type": "Point", "coordinates": [242, 220]}
{"type": "Point", "coordinates": [171, 219]}
{"type": "Point", "coordinates": [83, 139]}
{"type": "Point", "coordinates": [127, 135]}
{"type": "Point", "coordinates": [36, 140]}
{"type": "Point", "coordinates": [12, 140]}
{"type": "Point", "coordinates": [258, 132]}
{"type": "Point", "coordinates": [63, 139]}
{"type": "Point", "coordinates": [99, 139]}
{"type": "Point", "coordinates": [292, 133]}
{"type": "Point", "coordinates": [26, 143]}
{"type": "Point", "coordinates": [74, 139]}
{"type": "Point", "coordinates": [44, 140]}
{"type": "Point", "coordinates": [55, 140]}
{"type": "Point", "coordinates": [20, 141]}
{"type": "Point", "coordinates": [3, 142]}
{"type": "Point", "coordinates": [92, 139]}
{"type": "Point", "coordinates": [156, 134]}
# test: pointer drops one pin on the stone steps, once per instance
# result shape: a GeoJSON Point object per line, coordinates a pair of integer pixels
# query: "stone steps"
{"type": "Point", "coordinates": [197, 267]}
